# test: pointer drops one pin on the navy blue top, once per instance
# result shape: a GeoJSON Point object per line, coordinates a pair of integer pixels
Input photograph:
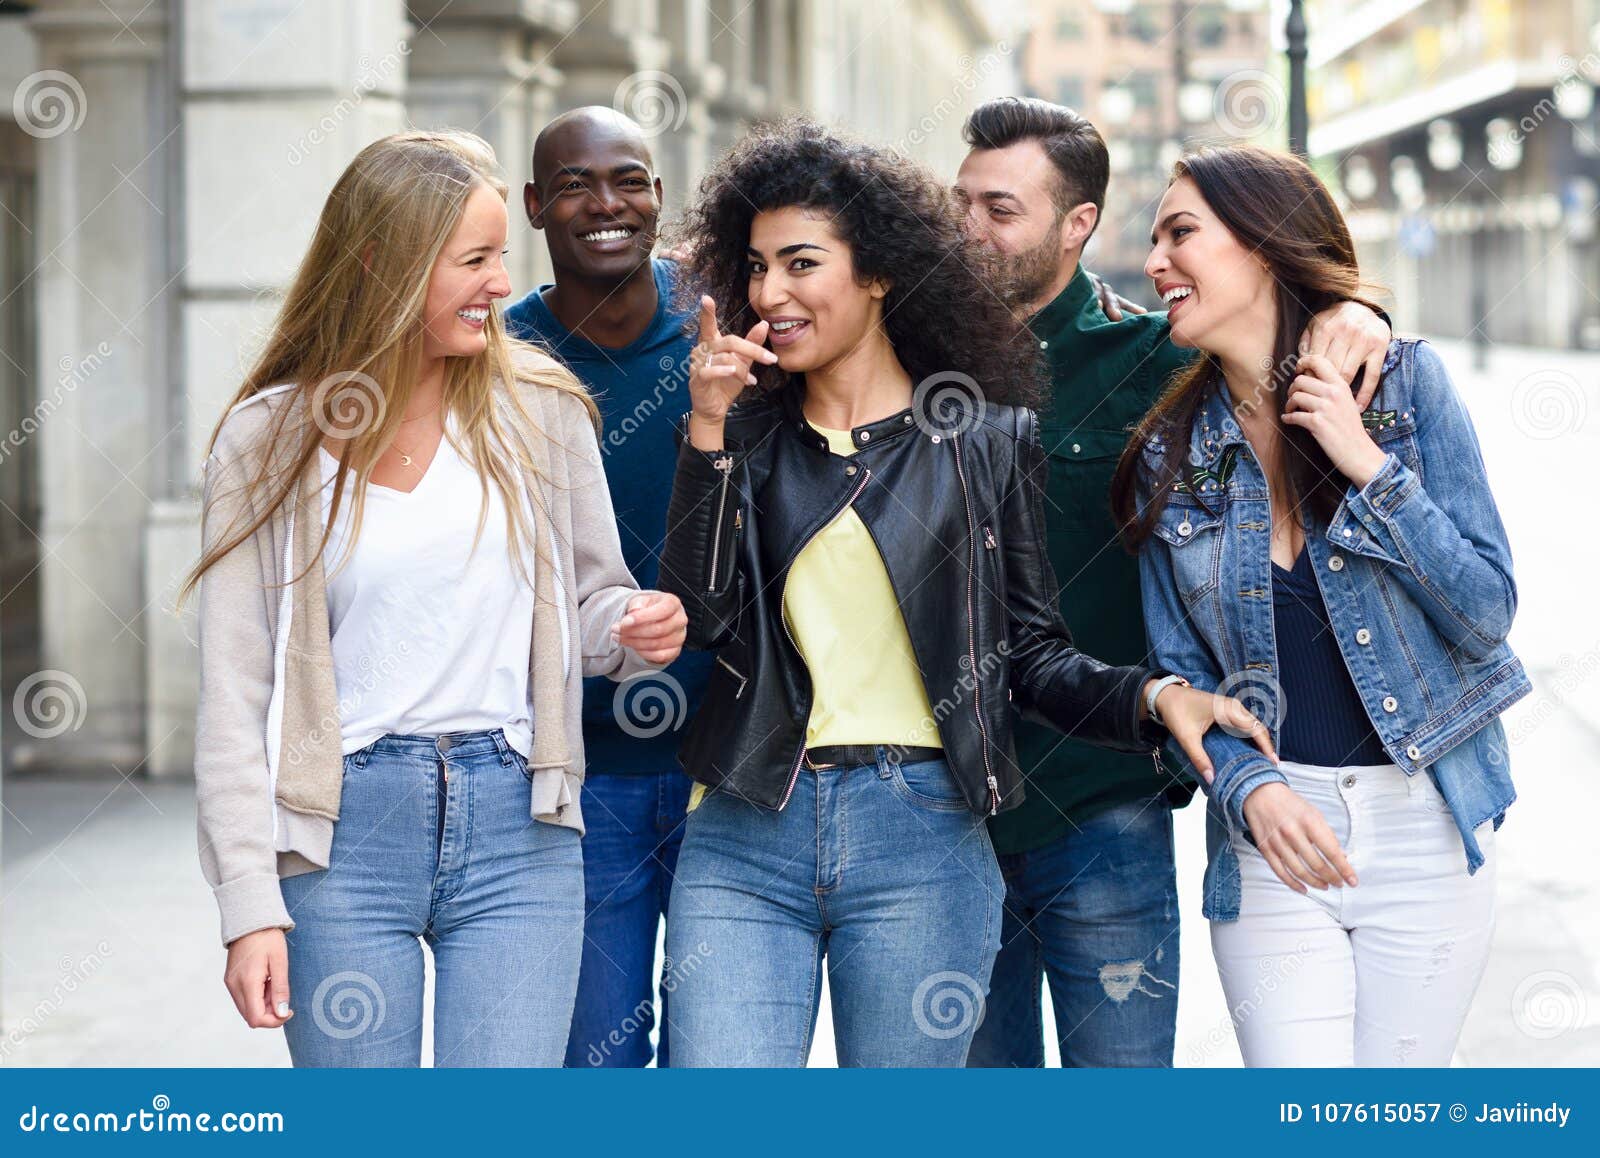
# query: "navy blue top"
{"type": "Point", "coordinates": [641, 389]}
{"type": "Point", "coordinates": [1323, 721]}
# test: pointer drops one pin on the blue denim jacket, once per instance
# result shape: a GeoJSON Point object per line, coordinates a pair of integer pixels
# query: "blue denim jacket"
{"type": "Point", "coordinates": [1416, 574]}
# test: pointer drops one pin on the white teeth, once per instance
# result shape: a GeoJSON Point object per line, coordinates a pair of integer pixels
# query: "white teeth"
{"type": "Point", "coordinates": [782, 327]}
{"type": "Point", "coordinates": [1177, 292]}
{"type": "Point", "coordinates": [473, 315]}
{"type": "Point", "coordinates": [606, 235]}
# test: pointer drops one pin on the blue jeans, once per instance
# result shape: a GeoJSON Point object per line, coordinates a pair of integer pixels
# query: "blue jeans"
{"type": "Point", "coordinates": [1097, 913]}
{"type": "Point", "coordinates": [880, 869]}
{"type": "Point", "coordinates": [635, 826]}
{"type": "Point", "coordinates": [434, 842]}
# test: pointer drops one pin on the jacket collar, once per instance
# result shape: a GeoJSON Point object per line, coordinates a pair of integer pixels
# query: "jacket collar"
{"type": "Point", "coordinates": [861, 437]}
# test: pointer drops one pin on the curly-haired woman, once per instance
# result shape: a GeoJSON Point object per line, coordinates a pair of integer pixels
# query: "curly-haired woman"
{"type": "Point", "coordinates": [860, 542]}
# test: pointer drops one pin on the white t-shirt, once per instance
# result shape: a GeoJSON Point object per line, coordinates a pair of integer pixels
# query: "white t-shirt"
{"type": "Point", "coordinates": [428, 635]}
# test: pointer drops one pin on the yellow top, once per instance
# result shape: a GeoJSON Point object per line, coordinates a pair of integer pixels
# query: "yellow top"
{"type": "Point", "coordinates": [842, 613]}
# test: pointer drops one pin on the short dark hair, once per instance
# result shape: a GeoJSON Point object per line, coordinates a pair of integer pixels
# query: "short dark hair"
{"type": "Point", "coordinates": [1073, 145]}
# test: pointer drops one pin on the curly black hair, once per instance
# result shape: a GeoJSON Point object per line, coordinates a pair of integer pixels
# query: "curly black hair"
{"type": "Point", "coordinates": [902, 225]}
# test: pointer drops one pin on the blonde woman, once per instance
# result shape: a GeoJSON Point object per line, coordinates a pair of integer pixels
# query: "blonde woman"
{"type": "Point", "coordinates": [409, 564]}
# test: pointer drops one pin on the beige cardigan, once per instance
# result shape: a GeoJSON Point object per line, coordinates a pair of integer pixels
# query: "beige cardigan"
{"type": "Point", "coordinates": [268, 760]}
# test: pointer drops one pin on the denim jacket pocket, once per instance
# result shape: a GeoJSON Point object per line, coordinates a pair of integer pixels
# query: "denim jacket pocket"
{"type": "Point", "coordinates": [1195, 536]}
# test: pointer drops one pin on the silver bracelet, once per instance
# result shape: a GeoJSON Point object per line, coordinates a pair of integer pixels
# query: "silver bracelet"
{"type": "Point", "coordinates": [1155, 688]}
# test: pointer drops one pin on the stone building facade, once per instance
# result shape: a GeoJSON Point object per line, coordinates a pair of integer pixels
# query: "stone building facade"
{"type": "Point", "coordinates": [162, 165]}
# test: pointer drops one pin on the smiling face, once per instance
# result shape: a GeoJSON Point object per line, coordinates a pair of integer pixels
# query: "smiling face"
{"type": "Point", "coordinates": [1217, 291]}
{"type": "Point", "coordinates": [467, 277]}
{"type": "Point", "coordinates": [595, 196]}
{"type": "Point", "coordinates": [803, 283]}
{"type": "Point", "coordinates": [1011, 197]}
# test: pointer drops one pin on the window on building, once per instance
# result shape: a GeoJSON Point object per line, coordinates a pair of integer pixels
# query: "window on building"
{"type": "Point", "coordinates": [1145, 89]}
{"type": "Point", "coordinates": [1210, 26]}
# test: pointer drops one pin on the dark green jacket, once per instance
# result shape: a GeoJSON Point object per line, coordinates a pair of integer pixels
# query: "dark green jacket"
{"type": "Point", "coordinates": [1106, 375]}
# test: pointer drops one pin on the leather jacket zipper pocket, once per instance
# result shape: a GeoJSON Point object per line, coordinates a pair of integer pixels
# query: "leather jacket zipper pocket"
{"type": "Point", "coordinates": [736, 675]}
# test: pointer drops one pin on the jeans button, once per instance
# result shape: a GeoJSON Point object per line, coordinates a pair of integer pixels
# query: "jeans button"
{"type": "Point", "coordinates": [1390, 704]}
{"type": "Point", "coordinates": [1413, 753]}
{"type": "Point", "coordinates": [1349, 781]}
{"type": "Point", "coordinates": [1336, 563]}
{"type": "Point", "coordinates": [1363, 636]}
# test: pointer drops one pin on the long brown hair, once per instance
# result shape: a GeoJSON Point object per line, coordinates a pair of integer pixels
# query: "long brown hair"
{"type": "Point", "coordinates": [1277, 207]}
{"type": "Point", "coordinates": [349, 338]}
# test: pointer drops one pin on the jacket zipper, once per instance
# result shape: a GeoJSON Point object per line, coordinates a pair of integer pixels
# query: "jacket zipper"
{"type": "Point", "coordinates": [725, 465]}
{"type": "Point", "coordinates": [972, 631]}
{"type": "Point", "coordinates": [794, 773]}
{"type": "Point", "coordinates": [742, 680]}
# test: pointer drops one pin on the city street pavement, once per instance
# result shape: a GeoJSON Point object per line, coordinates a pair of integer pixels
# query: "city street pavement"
{"type": "Point", "coordinates": [108, 936]}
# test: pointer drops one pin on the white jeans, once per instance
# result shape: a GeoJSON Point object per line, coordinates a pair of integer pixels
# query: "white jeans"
{"type": "Point", "coordinates": [1377, 975]}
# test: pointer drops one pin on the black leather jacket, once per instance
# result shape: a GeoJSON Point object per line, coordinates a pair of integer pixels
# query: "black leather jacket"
{"type": "Point", "coordinates": [958, 519]}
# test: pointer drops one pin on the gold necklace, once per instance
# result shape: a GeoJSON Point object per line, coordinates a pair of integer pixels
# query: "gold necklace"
{"type": "Point", "coordinates": [405, 459]}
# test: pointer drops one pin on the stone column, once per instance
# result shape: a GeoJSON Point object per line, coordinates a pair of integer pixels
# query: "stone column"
{"type": "Point", "coordinates": [277, 97]}
{"type": "Point", "coordinates": [485, 65]}
{"type": "Point", "coordinates": [103, 113]}
{"type": "Point", "coordinates": [666, 88]}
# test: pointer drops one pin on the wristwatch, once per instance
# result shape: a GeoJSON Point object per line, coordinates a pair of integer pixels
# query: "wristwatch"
{"type": "Point", "coordinates": [1154, 689]}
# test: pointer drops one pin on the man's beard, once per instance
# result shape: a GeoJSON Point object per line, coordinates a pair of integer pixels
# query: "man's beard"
{"type": "Point", "coordinates": [1023, 278]}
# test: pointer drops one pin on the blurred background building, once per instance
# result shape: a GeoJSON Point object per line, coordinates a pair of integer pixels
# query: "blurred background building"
{"type": "Point", "coordinates": [162, 163]}
{"type": "Point", "coordinates": [1155, 76]}
{"type": "Point", "coordinates": [1464, 135]}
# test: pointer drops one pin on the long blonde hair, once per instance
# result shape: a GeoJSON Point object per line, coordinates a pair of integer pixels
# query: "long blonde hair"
{"type": "Point", "coordinates": [349, 339]}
